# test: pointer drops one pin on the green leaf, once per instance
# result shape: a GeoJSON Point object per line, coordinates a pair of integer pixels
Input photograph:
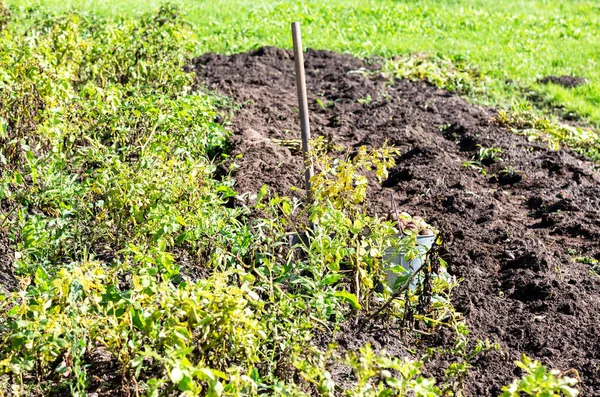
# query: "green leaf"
{"type": "Point", "coordinates": [62, 368]}
{"type": "Point", "coordinates": [350, 298]}
{"type": "Point", "coordinates": [186, 383]}
{"type": "Point", "coordinates": [262, 193]}
{"type": "Point", "coordinates": [215, 389]}
{"type": "Point", "coordinates": [18, 178]}
{"type": "Point", "coordinates": [331, 279]}
{"type": "Point", "coordinates": [227, 191]}
{"type": "Point", "coordinates": [138, 319]}
{"type": "Point", "coordinates": [219, 374]}
{"type": "Point", "coordinates": [334, 266]}
{"type": "Point", "coordinates": [14, 311]}
{"type": "Point", "coordinates": [206, 374]}
{"type": "Point", "coordinates": [181, 221]}
{"type": "Point", "coordinates": [137, 363]}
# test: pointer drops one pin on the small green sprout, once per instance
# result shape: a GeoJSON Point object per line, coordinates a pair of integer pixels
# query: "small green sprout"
{"type": "Point", "coordinates": [509, 171]}
{"type": "Point", "coordinates": [366, 100]}
{"type": "Point", "coordinates": [476, 165]}
{"type": "Point", "coordinates": [489, 154]}
{"type": "Point", "coordinates": [594, 264]}
{"type": "Point", "coordinates": [324, 104]}
{"type": "Point", "coordinates": [485, 156]}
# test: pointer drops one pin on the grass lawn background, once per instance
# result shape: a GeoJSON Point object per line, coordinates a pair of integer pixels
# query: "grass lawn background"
{"type": "Point", "coordinates": [512, 40]}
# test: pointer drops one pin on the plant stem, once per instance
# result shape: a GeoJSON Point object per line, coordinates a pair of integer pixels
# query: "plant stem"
{"type": "Point", "coordinates": [393, 297]}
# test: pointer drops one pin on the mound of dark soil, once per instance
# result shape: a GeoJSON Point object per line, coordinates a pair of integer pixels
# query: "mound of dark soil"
{"type": "Point", "coordinates": [7, 279]}
{"type": "Point", "coordinates": [565, 81]}
{"type": "Point", "coordinates": [510, 235]}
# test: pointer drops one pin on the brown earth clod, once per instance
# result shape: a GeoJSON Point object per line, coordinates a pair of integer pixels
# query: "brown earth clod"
{"type": "Point", "coordinates": [564, 81]}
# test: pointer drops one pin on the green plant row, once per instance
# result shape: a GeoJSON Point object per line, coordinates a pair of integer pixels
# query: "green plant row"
{"type": "Point", "coordinates": [114, 193]}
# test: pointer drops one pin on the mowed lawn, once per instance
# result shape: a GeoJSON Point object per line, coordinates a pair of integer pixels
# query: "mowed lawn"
{"type": "Point", "coordinates": [510, 41]}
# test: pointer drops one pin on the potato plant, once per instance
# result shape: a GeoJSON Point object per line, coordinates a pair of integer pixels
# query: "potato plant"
{"type": "Point", "coordinates": [124, 246]}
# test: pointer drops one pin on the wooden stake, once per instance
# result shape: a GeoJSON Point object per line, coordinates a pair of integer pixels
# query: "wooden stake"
{"type": "Point", "coordinates": [302, 103]}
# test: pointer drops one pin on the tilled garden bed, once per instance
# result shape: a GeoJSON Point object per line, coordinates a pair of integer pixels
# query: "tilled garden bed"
{"type": "Point", "coordinates": [512, 234]}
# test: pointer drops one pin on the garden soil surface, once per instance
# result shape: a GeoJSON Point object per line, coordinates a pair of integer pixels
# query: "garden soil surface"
{"type": "Point", "coordinates": [565, 81]}
{"type": "Point", "coordinates": [8, 281]}
{"type": "Point", "coordinates": [511, 236]}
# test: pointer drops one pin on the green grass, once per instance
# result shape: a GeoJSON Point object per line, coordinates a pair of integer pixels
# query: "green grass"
{"type": "Point", "coordinates": [519, 41]}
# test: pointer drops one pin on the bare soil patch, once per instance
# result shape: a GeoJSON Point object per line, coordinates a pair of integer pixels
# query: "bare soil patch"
{"type": "Point", "coordinates": [7, 279]}
{"type": "Point", "coordinates": [8, 282]}
{"type": "Point", "coordinates": [511, 236]}
{"type": "Point", "coordinates": [565, 81]}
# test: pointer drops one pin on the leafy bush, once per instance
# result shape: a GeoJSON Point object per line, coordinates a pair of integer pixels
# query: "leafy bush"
{"type": "Point", "coordinates": [538, 381]}
{"type": "Point", "coordinates": [377, 374]}
{"type": "Point", "coordinates": [186, 330]}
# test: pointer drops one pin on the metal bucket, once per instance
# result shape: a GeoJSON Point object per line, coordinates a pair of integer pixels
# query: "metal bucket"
{"type": "Point", "coordinates": [393, 258]}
